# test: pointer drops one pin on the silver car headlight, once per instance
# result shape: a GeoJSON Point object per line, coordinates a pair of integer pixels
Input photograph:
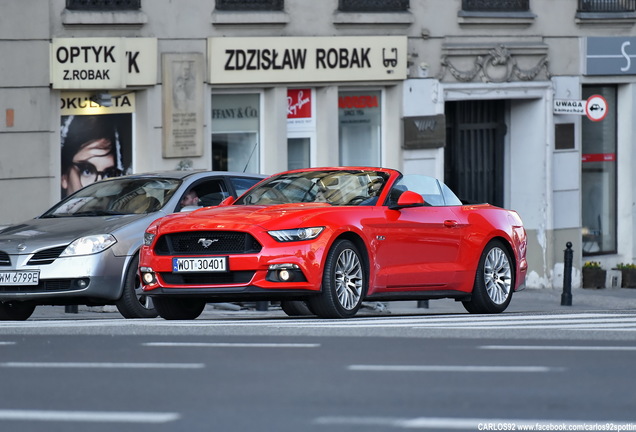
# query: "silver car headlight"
{"type": "Point", "coordinates": [89, 245]}
{"type": "Point", "coordinates": [296, 234]}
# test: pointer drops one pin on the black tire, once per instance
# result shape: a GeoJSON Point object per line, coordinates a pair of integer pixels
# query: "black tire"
{"type": "Point", "coordinates": [295, 308]}
{"type": "Point", "coordinates": [134, 303]}
{"type": "Point", "coordinates": [16, 310]}
{"type": "Point", "coordinates": [494, 281]}
{"type": "Point", "coordinates": [179, 308]}
{"type": "Point", "coordinates": [344, 283]}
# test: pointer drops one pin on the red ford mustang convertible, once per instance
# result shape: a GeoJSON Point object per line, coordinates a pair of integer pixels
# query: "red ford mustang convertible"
{"type": "Point", "coordinates": [324, 240]}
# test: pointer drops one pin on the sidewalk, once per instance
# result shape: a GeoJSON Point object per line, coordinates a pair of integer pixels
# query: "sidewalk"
{"type": "Point", "coordinates": [541, 301]}
{"type": "Point", "coordinates": [529, 300]}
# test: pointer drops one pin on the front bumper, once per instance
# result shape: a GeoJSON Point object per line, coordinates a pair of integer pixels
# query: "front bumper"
{"type": "Point", "coordinates": [98, 276]}
{"type": "Point", "coordinates": [249, 275]}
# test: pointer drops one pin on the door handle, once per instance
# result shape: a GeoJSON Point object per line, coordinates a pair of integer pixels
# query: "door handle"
{"type": "Point", "coordinates": [449, 223]}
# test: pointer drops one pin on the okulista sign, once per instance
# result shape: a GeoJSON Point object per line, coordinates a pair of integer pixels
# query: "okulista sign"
{"type": "Point", "coordinates": [280, 59]}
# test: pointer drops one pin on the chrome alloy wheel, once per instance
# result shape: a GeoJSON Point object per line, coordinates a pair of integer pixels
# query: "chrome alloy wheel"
{"type": "Point", "coordinates": [348, 279]}
{"type": "Point", "coordinates": [497, 275]}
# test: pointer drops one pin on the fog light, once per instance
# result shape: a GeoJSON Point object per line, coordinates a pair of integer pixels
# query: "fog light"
{"type": "Point", "coordinates": [149, 278]}
{"type": "Point", "coordinates": [284, 275]}
{"type": "Point", "coordinates": [81, 283]}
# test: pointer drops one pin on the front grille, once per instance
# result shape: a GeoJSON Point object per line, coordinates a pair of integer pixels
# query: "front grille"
{"type": "Point", "coordinates": [237, 277]}
{"type": "Point", "coordinates": [4, 259]}
{"type": "Point", "coordinates": [218, 242]}
{"type": "Point", "coordinates": [49, 285]}
{"type": "Point", "coordinates": [46, 256]}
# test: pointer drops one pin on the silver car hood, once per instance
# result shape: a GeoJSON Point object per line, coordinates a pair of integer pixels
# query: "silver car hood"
{"type": "Point", "coordinates": [36, 234]}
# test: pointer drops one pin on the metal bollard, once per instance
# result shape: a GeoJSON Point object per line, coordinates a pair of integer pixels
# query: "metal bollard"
{"type": "Point", "coordinates": [422, 304]}
{"type": "Point", "coordinates": [262, 305]}
{"type": "Point", "coordinates": [566, 297]}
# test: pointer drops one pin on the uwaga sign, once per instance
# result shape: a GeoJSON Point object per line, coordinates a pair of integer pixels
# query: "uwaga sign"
{"type": "Point", "coordinates": [306, 59]}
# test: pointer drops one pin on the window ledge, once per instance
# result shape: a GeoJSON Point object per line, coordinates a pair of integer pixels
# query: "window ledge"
{"type": "Point", "coordinates": [496, 18]}
{"type": "Point", "coordinates": [606, 18]}
{"type": "Point", "coordinates": [119, 18]}
{"type": "Point", "coordinates": [403, 19]}
{"type": "Point", "coordinates": [250, 18]}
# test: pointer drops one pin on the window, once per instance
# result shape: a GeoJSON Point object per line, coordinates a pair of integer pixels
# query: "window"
{"type": "Point", "coordinates": [373, 5]}
{"type": "Point", "coordinates": [598, 180]}
{"type": "Point", "coordinates": [103, 5]}
{"type": "Point", "coordinates": [250, 5]}
{"type": "Point", "coordinates": [604, 6]}
{"type": "Point", "coordinates": [359, 115]}
{"type": "Point", "coordinates": [496, 5]}
{"type": "Point", "coordinates": [235, 132]}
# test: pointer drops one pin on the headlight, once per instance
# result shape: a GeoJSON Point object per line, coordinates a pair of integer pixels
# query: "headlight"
{"type": "Point", "coordinates": [89, 245]}
{"type": "Point", "coordinates": [148, 238]}
{"type": "Point", "coordinates": [296, 234]}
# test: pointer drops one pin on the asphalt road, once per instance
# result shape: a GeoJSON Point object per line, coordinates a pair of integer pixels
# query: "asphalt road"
{"type": "Point", "coordinates": [267, 372]}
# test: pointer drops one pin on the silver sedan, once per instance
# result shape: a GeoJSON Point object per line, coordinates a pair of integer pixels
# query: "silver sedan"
{"type": "Point", "coordinates": [84, 250]}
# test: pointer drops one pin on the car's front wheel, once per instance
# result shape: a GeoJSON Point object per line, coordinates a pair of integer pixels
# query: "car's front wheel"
{"type": "Point", "coordinates": [179, 308]}
{"type": "Point", "coordinates": [16, 310]}
{"type": "Point", "coordinates": [134, 303]}
{"type": "Point", "coordinates": [344, 282]}
{"type": "Point", "coordinates": [494, 281]}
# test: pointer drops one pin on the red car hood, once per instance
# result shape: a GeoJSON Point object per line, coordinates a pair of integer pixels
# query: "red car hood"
{"type": "Point", "coordinates": [240, 217]}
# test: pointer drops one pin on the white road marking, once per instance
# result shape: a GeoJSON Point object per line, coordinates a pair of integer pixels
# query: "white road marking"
{"type": "Point", "coordinates": [88, 416]}
{"type": "Point", "coordinates": [625, 322]}
{"type": "Point", "coordinates": [6, 343]}
{"type": "Point", "coordinates": [557, 348]}
{"type": "Point", "coordinates": [446, 368]}
{"type": "Point", "coordinates": [445, 423]}
{"type": "Point", "coordinates": [103, 365]}
{"type": "Point", "coordinates": [231, 345]}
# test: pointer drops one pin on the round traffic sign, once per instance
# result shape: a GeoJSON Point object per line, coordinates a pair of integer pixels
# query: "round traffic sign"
{"type": "Point", "coordinates": [596, 108]}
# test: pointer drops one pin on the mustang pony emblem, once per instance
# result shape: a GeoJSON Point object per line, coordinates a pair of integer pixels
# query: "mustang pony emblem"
{"type": "Point", "coordinates": [207, 242]}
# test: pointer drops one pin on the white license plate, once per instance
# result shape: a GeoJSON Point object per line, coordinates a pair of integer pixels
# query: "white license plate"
{"type": "Point", "coordinates": [19, 278]}
{"type": "Point", "coordinates": [213, 264]}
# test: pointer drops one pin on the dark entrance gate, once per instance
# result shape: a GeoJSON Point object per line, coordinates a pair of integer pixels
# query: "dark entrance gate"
{"type": "Point", "coordinates": [474, 154]}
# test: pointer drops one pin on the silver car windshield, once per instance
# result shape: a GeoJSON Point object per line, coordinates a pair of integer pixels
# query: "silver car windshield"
{"type": "Point", "coordinates": [337, 187]}
{"type": "Point", "coordinates": [116, 197]}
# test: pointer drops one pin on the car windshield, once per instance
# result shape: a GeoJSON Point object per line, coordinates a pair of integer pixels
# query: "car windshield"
{"type": "Point", "coordinates": [117, 197]}
{"type": "Point", "coordinates": [335, 187]}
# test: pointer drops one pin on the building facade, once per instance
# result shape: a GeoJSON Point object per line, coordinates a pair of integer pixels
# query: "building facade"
{"type": "Point", "coordinates": [525, 104]}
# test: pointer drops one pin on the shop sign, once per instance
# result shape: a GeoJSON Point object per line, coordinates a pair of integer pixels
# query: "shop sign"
{"type": "Point", "coordinates": [610, 55]}
{"type": "Point", "coordinates": [82, 103]}
{"type": "Point", "coordinates": [306, 59]}
{"type": "Point", "coordinates": [598, 157]}
{"type": "Point", "coordinates": [424, 132]}
{"type": "Point", "coordinates": [103, 63]}
{"type": "Point", "coordinates": [299, 108]}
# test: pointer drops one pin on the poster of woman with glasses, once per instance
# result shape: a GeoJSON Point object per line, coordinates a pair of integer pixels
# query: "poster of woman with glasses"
{"type": "Point", "coordinates": [94, 147]}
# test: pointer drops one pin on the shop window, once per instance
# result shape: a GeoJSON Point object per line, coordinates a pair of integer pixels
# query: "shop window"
{"type": "Point", "coordinates": [298, 153]}
{"type": "Point", "coordinates": [607, 6]}
{"type": "Point", "coordinates": [360, 119]}
{"type": "Point", "coordinates": [373, 5]}
{"type": "Point", "coordinates": [235, 132]}
{"type": "Point", "coordinates": [250, 5]}
{"type": "Point", "coordinates": [598, 179]}
{"type": "Point", "coordinates": [496, 5]}
{"type": "Point", "coordinates": [103, 5]}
